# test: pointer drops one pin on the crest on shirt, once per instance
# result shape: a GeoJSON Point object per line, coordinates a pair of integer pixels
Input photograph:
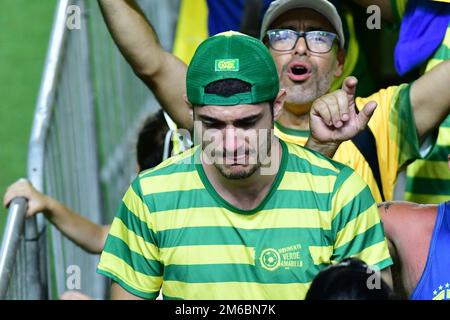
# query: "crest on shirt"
{"type": "Point", "coordinates": [442, 292]}
{"type": "Point", "coordinates": [271, 259]}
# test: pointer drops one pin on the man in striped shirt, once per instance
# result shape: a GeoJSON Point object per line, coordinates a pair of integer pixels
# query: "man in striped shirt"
{"type": "Point", "coordinates": [243, 215]}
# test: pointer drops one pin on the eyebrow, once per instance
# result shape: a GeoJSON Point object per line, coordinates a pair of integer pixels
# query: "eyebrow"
{"type": "Point", "coordinates": [210, 119]}
{"type": "Point", "coordinates": [240, 120]}
{"type": "Point", "coordinates": [288, 27]}
{"type": "Point", "coordinates": [315, 28]}
{"type": "Point", "coordinates": [251, 118]}
{"type": "Point", "coordinates": [309, 28]}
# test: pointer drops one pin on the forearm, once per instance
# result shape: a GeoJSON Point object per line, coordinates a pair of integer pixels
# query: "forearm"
{"type": "Point", "coordinates": [162, 72]}
{"type": "Point", "coordinates": [328, 149]}
{"type": "Point", "coordinates": [88, 235]}
{"type": "Point", "coordinates": [430, 98]}
{"type": "Point", "coordinates": [132, 33]}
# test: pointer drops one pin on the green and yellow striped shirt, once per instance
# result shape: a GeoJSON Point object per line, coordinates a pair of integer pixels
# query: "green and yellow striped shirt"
{"type": "Point", "coordinates": [174, 231]}
{"type": "Point", "coordinates": [428, 180]}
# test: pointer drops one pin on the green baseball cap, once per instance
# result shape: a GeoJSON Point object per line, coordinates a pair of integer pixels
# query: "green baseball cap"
{"type": "Point", "coordinates": [232, 55]}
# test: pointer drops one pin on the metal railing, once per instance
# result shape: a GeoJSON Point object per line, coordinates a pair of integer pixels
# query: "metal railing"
{"type": "Point", "coordinates": [81, 152]}
{"type": "Point", "coordinates": [12, 239]}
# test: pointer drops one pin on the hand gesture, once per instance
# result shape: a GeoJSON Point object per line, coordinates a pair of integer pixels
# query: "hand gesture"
{"type": "Point", "coordinates": [333, 117]}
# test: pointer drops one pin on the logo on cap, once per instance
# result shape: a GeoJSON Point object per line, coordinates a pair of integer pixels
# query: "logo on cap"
{"type": "Point", "coordinates": [227, 65]}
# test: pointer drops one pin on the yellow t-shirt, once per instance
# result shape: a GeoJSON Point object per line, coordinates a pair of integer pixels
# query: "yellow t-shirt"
{"type": "Point", "coordinates": [392, 126]}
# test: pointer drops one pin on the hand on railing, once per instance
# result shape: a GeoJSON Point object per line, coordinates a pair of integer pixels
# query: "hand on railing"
{"type": "Point", "coordinates": [87, 234]}
{"type": "Point", "coordinates": [37, 202]}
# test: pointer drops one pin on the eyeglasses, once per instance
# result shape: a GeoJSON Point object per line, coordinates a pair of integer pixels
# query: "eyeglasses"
{"type": "Point", "coordinates": [286, 40]}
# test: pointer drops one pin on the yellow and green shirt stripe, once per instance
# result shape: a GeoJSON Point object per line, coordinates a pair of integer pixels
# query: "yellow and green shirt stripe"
{"type": "Point", "coordinates": [174, 232]}
{"type": "Point", "coordinates": [428, 180]}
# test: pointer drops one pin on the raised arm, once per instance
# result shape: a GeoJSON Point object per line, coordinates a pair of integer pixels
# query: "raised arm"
{"type": "Point", "coordinates": [161, 71]}
{"type": "Point", "coordinates": [88, 235]}
{"type": "Point", "coordinates": [430, 98]}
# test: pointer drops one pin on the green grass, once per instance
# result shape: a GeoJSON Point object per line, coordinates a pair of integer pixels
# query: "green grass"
{"type": "Point", "coordinates": [25, 27]}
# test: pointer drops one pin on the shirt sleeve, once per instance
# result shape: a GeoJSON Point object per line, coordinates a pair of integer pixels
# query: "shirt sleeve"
{"type": "Point", "coordinates": [394, 128]}
{"type": "Point", "coordinates": [356, 223]}
{"type": "Point", "coordinates": [131, 256]}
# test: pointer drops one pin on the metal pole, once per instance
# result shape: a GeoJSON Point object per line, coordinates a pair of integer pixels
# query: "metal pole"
{"type": "Point", "coordinates": [10, 241]}
{"type": "Point", "coordinates": [41, 123]}
{"type": "Point", "coordinates": [45, 101]}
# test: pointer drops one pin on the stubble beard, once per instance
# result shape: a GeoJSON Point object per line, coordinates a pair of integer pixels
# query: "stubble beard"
{"type": "Point", "coordinates": [303, 93]}
{"type": "Point", "coordinates": [249, 170]}
{"type": "Point", "coordinates": [237, 175]}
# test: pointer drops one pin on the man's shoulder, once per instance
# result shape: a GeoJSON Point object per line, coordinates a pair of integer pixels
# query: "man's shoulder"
{"type": "Point", "coordinates": [403, 212]}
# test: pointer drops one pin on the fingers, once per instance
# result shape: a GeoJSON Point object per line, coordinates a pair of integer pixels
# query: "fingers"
{"type": "Point", "coordinates": [20, 188]}
{"type": "Point", "coordinates": [333, 102]}
{"type": "Point", "coordinates": [349, 87]}
{"type": "Point", "coordinates": [366, 113]}
{"type": "Point", "coordinates": [333, 108]}
{"type": "Point", "coordinates": [320, 109]}
{"type": "Point", "coordinates": [6, 199]}
{"type": "Point", "coordinates": [343, 105]}
{"type": "Point", "coordinates": [37, 202]}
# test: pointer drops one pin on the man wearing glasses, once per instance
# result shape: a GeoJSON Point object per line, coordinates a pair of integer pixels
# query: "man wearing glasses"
{"type": "Point", "coordinates": [306, 41]}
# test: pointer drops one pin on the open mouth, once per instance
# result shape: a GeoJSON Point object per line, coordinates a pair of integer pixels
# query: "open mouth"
{"type": "Point", "coordinates": [299, 71]}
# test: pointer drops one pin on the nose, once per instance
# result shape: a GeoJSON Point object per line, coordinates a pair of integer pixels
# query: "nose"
{"type": "Point", "coordinates": [231, 140]}
{"type": "Point", "coordinates": [300, 46]}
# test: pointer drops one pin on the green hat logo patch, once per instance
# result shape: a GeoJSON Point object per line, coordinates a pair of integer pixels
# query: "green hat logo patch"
{"type": "Point", "coordinates": [227, 65]}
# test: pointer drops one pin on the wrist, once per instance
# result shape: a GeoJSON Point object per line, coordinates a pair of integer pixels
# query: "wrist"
{"type": "Point", "coordinates": [326, 148]}
{"type": "Point", "coordinates": [48, 206]}
{"type": "Point", "coordinates": [323, 144]}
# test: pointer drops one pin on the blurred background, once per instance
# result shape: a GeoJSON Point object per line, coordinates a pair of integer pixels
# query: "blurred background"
{"type": "Point", "coordinates": [72, 108]}
{"type": "Point", "coordinates": [24, 35]}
